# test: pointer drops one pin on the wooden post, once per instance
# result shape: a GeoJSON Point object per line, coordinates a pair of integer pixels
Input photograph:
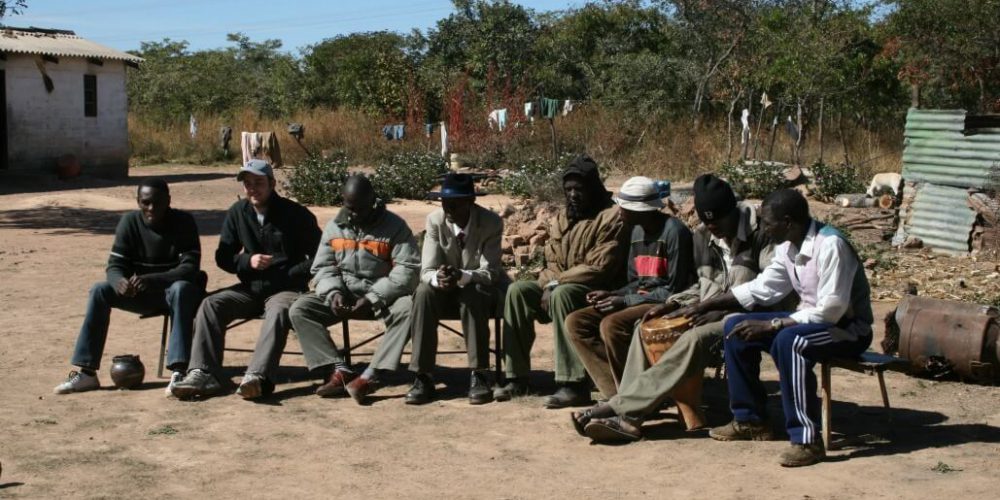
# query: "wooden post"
{"type": "Point", "coordinates": [915, 96]}
{"type": "Point", "coordinates": [827, 400]}
{"type": "Point", "coordinates": [552, 130]}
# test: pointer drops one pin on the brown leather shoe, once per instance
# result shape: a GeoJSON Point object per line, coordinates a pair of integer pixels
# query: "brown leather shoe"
{"type": "Point", "coordinates": [336, 386]}
{"type": "Point", "coordinates": [742, 431]}
{"type": "Point", "coordinates": [360, 388]}
{"type": "Point", "coordinates": [800, 455]}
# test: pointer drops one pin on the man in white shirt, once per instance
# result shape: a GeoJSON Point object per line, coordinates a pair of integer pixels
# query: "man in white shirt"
{"type": "Point", "coordinates": [461, 276]}
{"type": "Point", "coordinates": [833, 319]}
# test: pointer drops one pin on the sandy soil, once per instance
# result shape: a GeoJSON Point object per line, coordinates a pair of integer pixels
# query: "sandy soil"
{"type": "Point", "coordinates": [944, 440]}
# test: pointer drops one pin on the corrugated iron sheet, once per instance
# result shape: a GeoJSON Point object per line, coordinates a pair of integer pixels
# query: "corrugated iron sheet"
{"type": "Point", "coordinates": [942, 218]}
{"type": "Point", "coordinates": [59, 45]}
{"type": "Point", "coordinates": [943, 147]}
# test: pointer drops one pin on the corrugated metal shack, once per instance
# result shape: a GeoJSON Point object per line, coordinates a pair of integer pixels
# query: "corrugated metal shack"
{"type": "Point", "coordinates": [946, 154]}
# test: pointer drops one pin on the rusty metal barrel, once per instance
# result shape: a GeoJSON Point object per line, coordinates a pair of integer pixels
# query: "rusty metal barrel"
{"type": "Point", "coordinates": [943, 334]}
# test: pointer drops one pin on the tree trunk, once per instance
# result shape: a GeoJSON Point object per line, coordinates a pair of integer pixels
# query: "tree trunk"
{"type": "Point", "coordinates": [821, 101]}
{"type": "Point", "coordinates": [843, 137]}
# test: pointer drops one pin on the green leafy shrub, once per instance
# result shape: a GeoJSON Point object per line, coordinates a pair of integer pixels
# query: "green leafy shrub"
{"type": "Point", "coordinates": [831, 181]}
{"type": "Point", "coordinates": [408, 175]}
{"type": "Point", "coordinates": [318, 181]}
{"type": "Point", "coordinates": [754, 180]}
{"type": "Point", "coordinates": [536, 178]}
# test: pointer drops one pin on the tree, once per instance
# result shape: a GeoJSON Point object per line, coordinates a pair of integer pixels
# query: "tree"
{"type": "Point", "coordinates": [12, 6]}
{"type": "Point", "coordinates": [367, 71]}
{"type": "Point", "coordinates": [949, 48]}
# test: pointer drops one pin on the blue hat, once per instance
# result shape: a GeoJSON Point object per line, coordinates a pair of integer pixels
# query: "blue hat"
{"type": "Point", "coordinates": [255, 167]}
{"type": "Point", "coordinates": [456, 186]}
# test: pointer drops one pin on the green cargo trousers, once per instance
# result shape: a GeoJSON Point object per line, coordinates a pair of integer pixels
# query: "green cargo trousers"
{"type": "Point", "coordinates": [522, 307]}
{"type": "Point", "coordinates": [644, 388]}
{"type": "Point", "coordinates": [311, 316]}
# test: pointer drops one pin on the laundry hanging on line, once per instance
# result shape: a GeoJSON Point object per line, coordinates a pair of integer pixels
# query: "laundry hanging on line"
{"type": "Point", "coordinates": [550, 107]}
{"type": "Point", "coordinates": [444, 140]}
{"type": "Point", "coordinates": [393, 132]}
{"type": "Point", "coordinates": [498, 118]}
{"type": "Point", "coordinates": [567, 107]}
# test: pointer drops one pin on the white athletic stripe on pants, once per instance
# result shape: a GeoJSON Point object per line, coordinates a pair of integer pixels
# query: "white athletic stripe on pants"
{"type": "Point", "coordinates": [799, 400]}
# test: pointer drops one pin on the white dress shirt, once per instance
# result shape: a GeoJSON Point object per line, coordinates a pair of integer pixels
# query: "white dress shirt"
{"type": "Point", "coordinates": [836, 267]}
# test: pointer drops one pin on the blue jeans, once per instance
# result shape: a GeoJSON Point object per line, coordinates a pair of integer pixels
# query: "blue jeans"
{"type": "Point", "coordinates": [795, 351]}
{"type": "Point", "coordinates": [181, 299]}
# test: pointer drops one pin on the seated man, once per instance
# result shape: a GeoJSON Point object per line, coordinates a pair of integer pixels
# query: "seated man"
{"type": "Point", "coordinates": [659, 264]}
{"type": "Point", "coordinates": [834, 319]}
{"type": "Point", "coordinates": [460, 272]}
{"type": "Point", "coordinates": [729, 249]}
{"type": "Point", "coordinates": [267, 241]}
{"type": "Point", "coordinates": [586, 251]}
{"type": "Point", "coordinates": [366, 267]}
{"type": "Point", "coordinates": [153, 266]}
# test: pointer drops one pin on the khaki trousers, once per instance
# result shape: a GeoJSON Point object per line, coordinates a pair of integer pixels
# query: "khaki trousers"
{"type": "Point", "coordinates": [602, 342]}
{"type": "Point", "coordinates": [644, 388]}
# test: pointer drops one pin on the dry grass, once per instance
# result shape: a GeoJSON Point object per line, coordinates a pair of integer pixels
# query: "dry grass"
{"type": "Point", "coordinates": [674, 150]}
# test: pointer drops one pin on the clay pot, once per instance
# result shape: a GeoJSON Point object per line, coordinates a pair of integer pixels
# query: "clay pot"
{"type": "Point", "coordinates": [68, 167]}
{"type": "Point", "coordinates": [127, 371]}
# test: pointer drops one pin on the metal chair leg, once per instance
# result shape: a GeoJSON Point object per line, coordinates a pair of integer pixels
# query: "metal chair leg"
{"type": "Point", "coordinates": [827, 411]}
{"type": "Point", "coordinates": [163, 345]}
{"type": "Point", "coordinates": [498, 351]}
{"type": "Point", "coordinates": [347, 342]}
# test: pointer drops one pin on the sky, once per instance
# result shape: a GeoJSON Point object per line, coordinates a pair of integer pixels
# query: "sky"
{"type": "Point", "coordinates": [123, 24]}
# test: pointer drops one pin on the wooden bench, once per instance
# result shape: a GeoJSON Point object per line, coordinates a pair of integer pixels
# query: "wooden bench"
{"type": "Point", "coordinates": [869, 362]}
{"type": "Point", "coordinates": [347, 348]}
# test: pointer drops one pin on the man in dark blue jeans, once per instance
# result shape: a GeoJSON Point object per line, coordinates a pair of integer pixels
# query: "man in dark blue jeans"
{"type": "Point", "coordinates": [154, 266]}
{"type": "Point", "coordinates": [833, 319]}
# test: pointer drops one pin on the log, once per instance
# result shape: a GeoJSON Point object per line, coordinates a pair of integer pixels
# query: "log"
{"type": "Point", "coordinates": [854, 201]}
{"type": "Point", "coordinates": [981, 203]}
{"type": "Point", "coordinates": [886, 201]}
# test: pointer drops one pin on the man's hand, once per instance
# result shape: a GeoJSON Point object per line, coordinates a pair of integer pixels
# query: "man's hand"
{"type": "Point", "coordinates": [260, 261]}
{"type": "Point", "coordinates": [362, 309]}
{"type": "Point", "coordinates": [447, 277]}
{"type": "Point", "coordinates": [751, 330]}
{"type": "Point", "coordinates": [124, 288]}
{"type": "Point", "coordinates": [690, 311]}
{"type": "Point", "coordinates": [610, 304]}
{"type": "Point", "coordinates": [139, 284]}
{"type": "Point", "coordinates": [596, 296]}
{"type": "Point", "coordinates": [707, 317]}
{"type": "Point", "coordinates": [338, 304]}
{"type": "Point", "coordinates": [660, 310]}
{"type": "Point", "coordinates": [545, 299]}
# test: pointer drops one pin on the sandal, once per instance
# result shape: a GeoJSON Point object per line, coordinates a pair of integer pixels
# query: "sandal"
{"type": "Point", "coordinates": [612, 430]}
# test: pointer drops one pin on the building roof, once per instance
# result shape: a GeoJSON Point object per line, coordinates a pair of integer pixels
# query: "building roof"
{"type": "Point", "coordinates": [58, 43]}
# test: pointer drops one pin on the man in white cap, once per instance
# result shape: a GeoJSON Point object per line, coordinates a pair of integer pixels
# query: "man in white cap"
{"type": "Point", "coordinates": [268, 242]}
{"type": "Point", "coordinates": [659, 265]}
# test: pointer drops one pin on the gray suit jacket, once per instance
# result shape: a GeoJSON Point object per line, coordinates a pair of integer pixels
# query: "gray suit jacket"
{"type": "Point", "coordinates": [481, 255]}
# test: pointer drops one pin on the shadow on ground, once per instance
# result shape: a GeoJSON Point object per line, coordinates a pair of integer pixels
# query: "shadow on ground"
{"type": "Point", "coordinates": [73, 220]}
{"type": "Point", "coordinates": [16, 183]}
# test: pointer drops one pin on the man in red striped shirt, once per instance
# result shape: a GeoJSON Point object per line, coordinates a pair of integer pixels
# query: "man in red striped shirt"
{"type": "Point", "coordinates": [660, 264]}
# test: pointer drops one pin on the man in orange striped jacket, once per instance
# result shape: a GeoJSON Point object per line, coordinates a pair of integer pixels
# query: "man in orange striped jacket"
{"type": "Point", "coordinates": [366, 267]}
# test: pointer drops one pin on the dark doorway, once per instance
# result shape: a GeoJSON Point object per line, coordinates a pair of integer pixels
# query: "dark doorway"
{"type": "Point", "coordinates": [3, 120]}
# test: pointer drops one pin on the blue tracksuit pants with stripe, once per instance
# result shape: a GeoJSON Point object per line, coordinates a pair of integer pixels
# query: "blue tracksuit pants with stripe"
{"type": "Point", "coordinates": [795, 351]}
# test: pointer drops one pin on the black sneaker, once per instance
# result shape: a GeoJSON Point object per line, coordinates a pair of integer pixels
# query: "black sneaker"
{"type": "Point", "coordinates": [422, 391]}
{"type": "Point", "coordinates": [570, 394]}
{"type": "Point", "coordinates": [514, 388]}
{"type": "Point", "coordinates": [480, 391]}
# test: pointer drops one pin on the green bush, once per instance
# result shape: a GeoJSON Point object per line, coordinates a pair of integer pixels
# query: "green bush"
{"type": "Point", "coordinates": [408, 175]}
{"type": "Point", "coordinates": [754, 180]}
{"type": "Point", "coordinates": [536, 178]}
{"type": "Point", "coordinates": [318, 181]}
{"type": "Point", "coordinates": [830, 181]}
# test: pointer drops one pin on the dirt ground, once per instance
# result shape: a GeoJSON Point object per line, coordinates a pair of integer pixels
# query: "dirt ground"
{"type": "Point", "coordinates": [943, 441]}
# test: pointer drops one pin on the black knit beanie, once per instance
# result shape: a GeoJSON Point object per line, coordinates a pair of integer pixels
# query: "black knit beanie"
{"type": "Point", "coordinates": [713, 198]}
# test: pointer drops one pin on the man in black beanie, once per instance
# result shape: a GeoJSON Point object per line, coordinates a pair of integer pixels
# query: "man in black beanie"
{"type": "Point", "coordinates": [729, 249]}
{"type": "Point", "coordinates": [586, 251]}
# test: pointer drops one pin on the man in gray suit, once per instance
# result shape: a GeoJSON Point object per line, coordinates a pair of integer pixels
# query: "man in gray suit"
{"type": "Point", "coordinates": [460, 268]}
